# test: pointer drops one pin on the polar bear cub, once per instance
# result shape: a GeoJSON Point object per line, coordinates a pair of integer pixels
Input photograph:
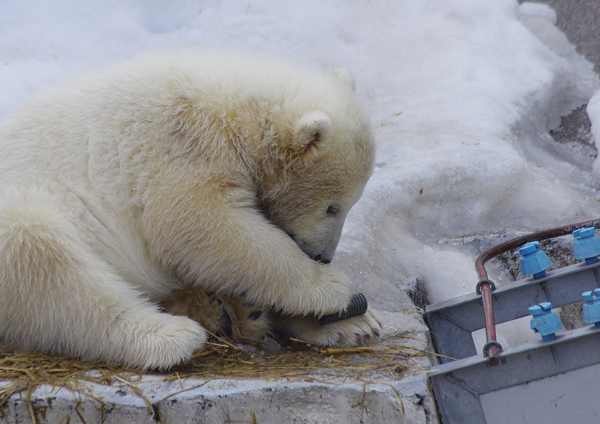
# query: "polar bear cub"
{"type": "Point", "coordinates": [224, 171]}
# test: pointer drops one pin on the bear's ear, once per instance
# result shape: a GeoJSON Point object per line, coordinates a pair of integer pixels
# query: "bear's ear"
{"type": "Point", "coordinates": [312, 131]}
{"type": "Point", "coordinates": [344, 76]}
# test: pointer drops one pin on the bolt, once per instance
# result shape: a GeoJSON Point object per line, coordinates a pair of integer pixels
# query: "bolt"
{"type": "Point", "coordinates": [591, 308]}
{"type": "Point", "coordinates": [587, 245]}
{"type": "Point", "coordinates": [544, 321]}
{"type": "Point", "coordinates": [533, 261]}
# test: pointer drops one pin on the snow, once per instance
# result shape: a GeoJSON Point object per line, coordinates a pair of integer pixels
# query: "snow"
{"type": "Point", "coordinates": [462, 94]}
{"type": "Point", "coordinates": [593, 110]}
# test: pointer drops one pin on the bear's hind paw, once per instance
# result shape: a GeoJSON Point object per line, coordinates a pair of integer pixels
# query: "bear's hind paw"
{"type": "Point", "coordinates": [355, 331]}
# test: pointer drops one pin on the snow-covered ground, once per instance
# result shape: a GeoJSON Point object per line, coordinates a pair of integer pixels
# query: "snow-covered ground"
{"type": "Point", "coordinates": [462, 94]}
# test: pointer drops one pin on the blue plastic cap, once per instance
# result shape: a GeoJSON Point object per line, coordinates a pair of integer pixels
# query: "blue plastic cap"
{"type": "Point", "coordinates": [545, 321]}
{"type": "Point", "coordinates": [586, 246]}
{"type": "Point", "coordinates": [590, 296]}
{"type": "Point", "coordinates": [584, 232]}
{"type": "Point", "coordinates": [540, 308]}
{"type": "Point", "coordinates": [529, 248]}
{"type": "Point", "coordinates": [533, 261]}
{"type": "Point", "coordinates": [535, 310]}
{"type": "Point", "coordinates": [591, 309]}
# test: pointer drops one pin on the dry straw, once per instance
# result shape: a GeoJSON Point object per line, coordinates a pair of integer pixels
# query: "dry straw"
{"type": "Point", "coordinates": [220, 359]}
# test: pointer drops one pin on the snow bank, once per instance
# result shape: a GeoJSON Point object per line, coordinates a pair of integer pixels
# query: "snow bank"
{"type": "Point", "coordinates": [462, 94]}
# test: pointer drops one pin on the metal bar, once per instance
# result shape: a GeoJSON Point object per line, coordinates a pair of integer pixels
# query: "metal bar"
{"type": "Point", "coordinates": [459, 386]}
{"type": "Point", "coordinates": [452, 322]}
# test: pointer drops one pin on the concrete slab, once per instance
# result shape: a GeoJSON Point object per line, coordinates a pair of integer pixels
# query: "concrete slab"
{"type": "Point", "coordinates": [224, 401]}
{"type": "Point", "coordinates": [328, 396]}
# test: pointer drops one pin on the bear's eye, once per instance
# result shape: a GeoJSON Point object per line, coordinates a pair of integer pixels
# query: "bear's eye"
{"type": "Point", "coordinates": [254, 315]}
{"type": "Point", "coordinates": [333, 209]}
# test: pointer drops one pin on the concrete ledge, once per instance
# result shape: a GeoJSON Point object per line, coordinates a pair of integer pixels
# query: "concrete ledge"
{"type": "Point", "coordinates": [313, 399]}
{"type": "Point", "coordinates": [223, 401]}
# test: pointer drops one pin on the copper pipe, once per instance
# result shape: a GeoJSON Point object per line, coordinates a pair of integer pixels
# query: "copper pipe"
{"type": "Point", "coordinates": [486, 289]}
{"type": "Point", "coordinates": [490, 323]}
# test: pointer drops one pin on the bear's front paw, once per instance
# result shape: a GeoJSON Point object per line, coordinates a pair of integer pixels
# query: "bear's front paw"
{"type": "Point", "coordinates": [321, 291]}
{"type": "Point", "coordinates": [171, 341]}
{"type": "Point", "coordinates": [354, 331]}
{"type": "Point", "coordinates": [331, 294]}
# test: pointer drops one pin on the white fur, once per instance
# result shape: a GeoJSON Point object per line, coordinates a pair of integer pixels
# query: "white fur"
{"type": "Point", "coordinates": [312, 130]}
{"type": "Point", "coordinates": [345, 76]}
{"type": "Point", "coordinates": [169, 170]}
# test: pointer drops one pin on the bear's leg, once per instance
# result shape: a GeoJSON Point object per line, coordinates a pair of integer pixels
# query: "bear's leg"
{"type": "Point", "coordinates": [350, 332]}
{"type": "Point", "coordinates": [57, 296]}
{"type": "Point", "coordinates": [218, 238]}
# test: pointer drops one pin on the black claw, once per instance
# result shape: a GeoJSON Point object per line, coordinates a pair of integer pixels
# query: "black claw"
{"type": "Point", "coordinates": [225, 325]}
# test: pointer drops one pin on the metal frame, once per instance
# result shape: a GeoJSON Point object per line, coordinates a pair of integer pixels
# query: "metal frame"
{"type": "Point", "coordinates": [452, 322]}
{"type": "Point", "coordinates": [463, 375]}
{"type": "Point", "coordinates": [458, 385]}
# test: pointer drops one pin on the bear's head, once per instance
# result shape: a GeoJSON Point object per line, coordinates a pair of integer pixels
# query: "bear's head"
{"type": "Point", "coordinates": [300, 135]}
{"type": "Point", "coordinates": [318, 169]}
